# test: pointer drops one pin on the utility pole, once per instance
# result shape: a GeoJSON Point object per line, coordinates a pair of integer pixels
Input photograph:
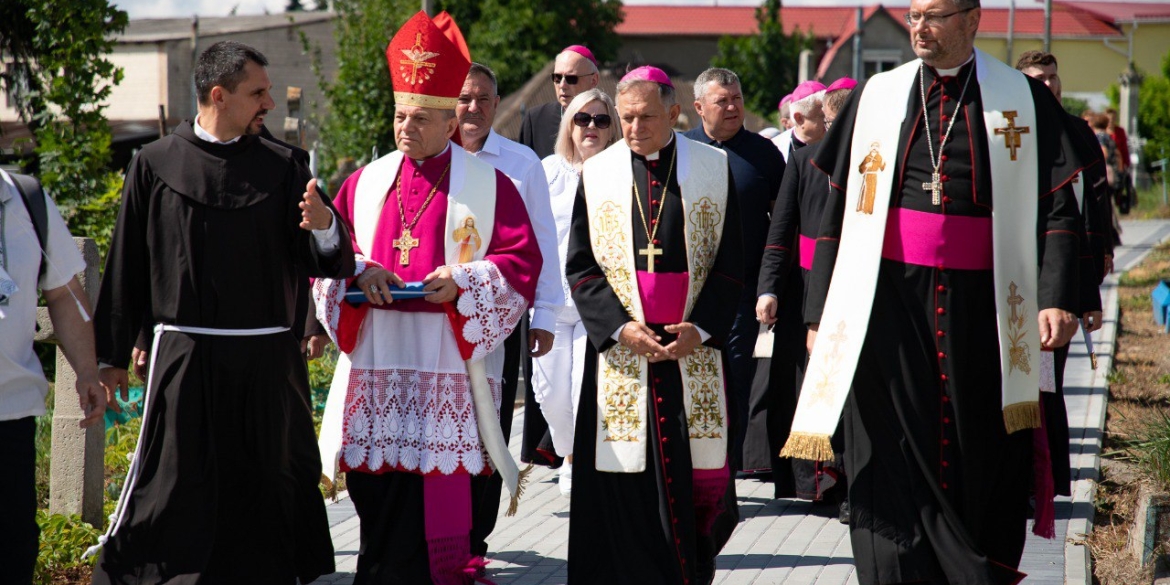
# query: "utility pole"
{"type": "Point", "coordinates": [428, 6]}
{"type": "Point", "coordinates": [1047, 26]}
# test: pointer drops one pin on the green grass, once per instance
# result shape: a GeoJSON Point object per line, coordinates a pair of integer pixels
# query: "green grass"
{"type": "Point", "coordinates": [1150, 204]}
{"type": "Point", "coordinates": [1116, 376]}
{"type": "Point", "coordinates": [1151, 450]}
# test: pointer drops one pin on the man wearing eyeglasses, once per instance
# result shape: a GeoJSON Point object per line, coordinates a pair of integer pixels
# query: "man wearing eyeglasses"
{"type": "Point", "coordinates": [476, 110]}
{"type": "Point", "coordinates": [757, 168]}
{"type": "Point", "coordinates": [574, 71]}
{"type": "Point", "coordinates": [946, 261]}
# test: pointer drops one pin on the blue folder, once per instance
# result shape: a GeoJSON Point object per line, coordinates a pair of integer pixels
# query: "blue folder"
{"type": "Point", "coordinates": [413, 290]}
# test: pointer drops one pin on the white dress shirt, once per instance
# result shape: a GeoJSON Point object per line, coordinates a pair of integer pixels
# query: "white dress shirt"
{"type": "Point", "coordinates": [328, 240]}
{"type": "Point", "coordinates": [520, 164]}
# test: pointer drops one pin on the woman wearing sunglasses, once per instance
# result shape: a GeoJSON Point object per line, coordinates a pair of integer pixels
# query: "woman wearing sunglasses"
{"type": "Point", "coordinates": [587, 128]}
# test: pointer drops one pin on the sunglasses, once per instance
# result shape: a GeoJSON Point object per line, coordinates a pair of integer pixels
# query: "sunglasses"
{"type": "Point", "coordinates": [602, 121]}
{"type": "Point", "coordinates": [569, 79]}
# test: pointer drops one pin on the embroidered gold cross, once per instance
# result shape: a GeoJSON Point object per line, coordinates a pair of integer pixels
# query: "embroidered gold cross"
{"type": "Point", "coordinates": [404, 246]}
{"type": "Point", "coordinates": [416, 58]}
{"type": "Point", "coordinates": [1011, 134]}
{"type": "Point", "coordinates": [935, 187]}
{"type": "Point", "coordinates": [650, 251]}
{"type": "Point", "coordinates": [1015, 300]}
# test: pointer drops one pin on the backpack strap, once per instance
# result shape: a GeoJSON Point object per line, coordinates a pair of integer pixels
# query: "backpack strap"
{"type": "Point", "coordinates": [34, 201]}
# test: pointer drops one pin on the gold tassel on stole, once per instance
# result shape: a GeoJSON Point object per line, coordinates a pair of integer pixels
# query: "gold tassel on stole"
{"type": "Point", "coordinates": [811, 446]}
{"type": "Point", "coordinates": [1022, 415]}
{"type": "Point", "coordinates": [521, 483]}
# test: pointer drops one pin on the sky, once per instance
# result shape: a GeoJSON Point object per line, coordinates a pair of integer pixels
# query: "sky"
{"type": "Point", "coordinates": [183, 8]}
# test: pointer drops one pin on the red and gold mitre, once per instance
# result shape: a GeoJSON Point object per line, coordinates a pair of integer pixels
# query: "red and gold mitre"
{"type": "Point", "coordinates": [428, 62]}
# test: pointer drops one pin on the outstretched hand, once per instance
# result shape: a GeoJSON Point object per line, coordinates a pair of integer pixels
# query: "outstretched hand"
{"type": "Point", "coordinates": [315, 215]}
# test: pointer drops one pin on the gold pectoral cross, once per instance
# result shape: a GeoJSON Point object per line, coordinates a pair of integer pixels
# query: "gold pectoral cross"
{"type": "Point", "coordinates": [1011, 134]}
{"type": "Point", "coordinates": [404, 245]}
{"type": "Point", "coordinates": [935, 188]}
{"type": "Point", "coordinates": [650, 251]}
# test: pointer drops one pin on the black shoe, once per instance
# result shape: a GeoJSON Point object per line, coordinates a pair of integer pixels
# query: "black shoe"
{"type": "Point", "coordinates": [843, 512]}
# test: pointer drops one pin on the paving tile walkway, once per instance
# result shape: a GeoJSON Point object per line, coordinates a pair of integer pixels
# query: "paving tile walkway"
{"type": "Point", "coordinates": [791, 542]}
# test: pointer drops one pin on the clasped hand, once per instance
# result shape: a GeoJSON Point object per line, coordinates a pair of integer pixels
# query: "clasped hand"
{"type": "Point", "coordinates": [375, 283]}
{"type": "Point", "coordinates": [642, 340]}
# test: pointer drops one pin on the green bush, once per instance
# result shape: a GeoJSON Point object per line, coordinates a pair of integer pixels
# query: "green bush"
{"type": "Point", "coordinates": [1151, 450]}
{"type": "Point", "coordinates": [120, 443]}
{"type": "Point", "coordinates": [63, 541]}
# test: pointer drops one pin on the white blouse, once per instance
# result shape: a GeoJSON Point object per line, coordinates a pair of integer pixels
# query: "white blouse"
{"type": "Point", "coordinates": [563, 181]}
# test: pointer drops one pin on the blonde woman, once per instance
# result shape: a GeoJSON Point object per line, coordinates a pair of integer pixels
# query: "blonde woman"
{"type": "Point", "coordinates": [588, 126]}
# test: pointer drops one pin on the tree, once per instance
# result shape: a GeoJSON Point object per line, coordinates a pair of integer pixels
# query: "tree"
{"type": "Point", "coordinates": [1153, 111]}
{"type": "Point", "coordinates": [60, 79]}
{"type": "Point", "coordinates": [294, 6]}
{"type": "Point", "coordinates": [516, 38]}
{"type": "Point", "coordinates": [765, 62]}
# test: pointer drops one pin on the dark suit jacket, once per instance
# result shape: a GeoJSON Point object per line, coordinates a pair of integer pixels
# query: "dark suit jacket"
{"type": "Point", "coordinates": [538, 130]}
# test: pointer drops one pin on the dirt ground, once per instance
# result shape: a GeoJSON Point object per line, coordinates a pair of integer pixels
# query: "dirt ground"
{"type": "Point", "coordinates": [1139, 393]}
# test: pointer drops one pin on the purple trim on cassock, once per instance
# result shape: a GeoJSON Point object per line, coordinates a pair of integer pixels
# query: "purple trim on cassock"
{"type": "Point", "coordinates": [933, 239]}
{"type": "Point", "coordinates": [808, 248]}
{"type": "Point", "coordinates": [664, 296]}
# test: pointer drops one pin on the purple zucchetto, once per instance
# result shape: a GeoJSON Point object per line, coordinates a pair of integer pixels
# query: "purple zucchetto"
{"type": "Point", "coordinates": [648, 73]}
{"type": "Point", "coordinates": [806, 89]}
{"type": "Point", "coordinates": [583, 51]}
{"type": "Point", "coordinates": [843, 83]}
{"type": "Point", "coordinates": [784, 101]}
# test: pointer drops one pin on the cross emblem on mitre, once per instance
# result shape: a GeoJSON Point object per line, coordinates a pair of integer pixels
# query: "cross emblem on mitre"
{"type": "Point", "coordinates": [416, 59]}
{"type": "Point", "coordinates": [1011, 134]}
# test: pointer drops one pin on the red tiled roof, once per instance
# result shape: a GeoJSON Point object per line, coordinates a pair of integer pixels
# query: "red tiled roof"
{"type": "Point", "coordinates": [648, 20]}
{"type": "Point", "coordinates": [1082, 19]}
{"type": "Point", "coordinates": [1067, 21]}
{"type": "Point", "coordinates": [1119, 12]}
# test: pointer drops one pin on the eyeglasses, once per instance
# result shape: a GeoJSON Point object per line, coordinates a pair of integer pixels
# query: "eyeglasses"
{"type": "Point", "coordinates": [569, 79]}
{"type": "Point", "coordinates": [602, 121]}
{"type": "Point", "coordinates": [913, 18]}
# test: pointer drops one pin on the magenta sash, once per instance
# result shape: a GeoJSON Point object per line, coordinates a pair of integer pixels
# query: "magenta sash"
{"type": "Point", "coordinates": [664, 296]}
{"type": "Point", "coordinates": [447, 526]}
{"type": "Point", "coordinates": [933, 239]}
{"type": "Point", "coordinates": [808, 247]}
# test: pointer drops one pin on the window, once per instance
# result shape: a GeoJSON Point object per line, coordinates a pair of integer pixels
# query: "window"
{"type": "Point", "coordinates": [880, 60]}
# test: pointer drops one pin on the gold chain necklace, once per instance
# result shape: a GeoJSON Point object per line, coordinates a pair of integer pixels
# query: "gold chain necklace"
{"type": "Point", "coordinates": [650, 251]}
{"type": "Point", "coordinates": [406, 243]}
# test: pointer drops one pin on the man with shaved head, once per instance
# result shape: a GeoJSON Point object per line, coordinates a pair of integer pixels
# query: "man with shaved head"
{"type": "Point", "coordinates": [574, 71]}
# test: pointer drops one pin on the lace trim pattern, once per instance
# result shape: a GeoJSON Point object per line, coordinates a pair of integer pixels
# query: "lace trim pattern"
{"type": "Point", "coordinates": [410, 420]}
{"type": "Point", "coordinates": [491, 306]}
{"type": "Point", "coordinates": [328, 294]}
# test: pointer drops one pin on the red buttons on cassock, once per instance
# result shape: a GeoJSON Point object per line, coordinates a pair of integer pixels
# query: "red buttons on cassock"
{"type": "Point", "coordinates": [678, 540]}
{"type": "Point", "coordinates": [659, 400]}
{"type": "Point", "coordinates": [946, 441]}
{"type": "Point", "coordinates": [665, 439]}
{"type": "Point", "coordinates": [944, 117]}
{"type": "Point", "coordinates": [653, 202]}
{"type": "Point", "coordinates": [669, 480]}
{"type": "Point", "coordinates": [657, 380]}
{"type": "Point", "coordinates": [946, 420]}
{"type": "Point", "coordinates": [946, 98]}
{"type": "Point", "coordinates": [941, 311]}
{"type": "Point", "coordinates": [674, 520]}
{"type": "Point", "coordinates": [940, 288]}
{"type": "Point", "coordinates": [943, 377]}
{"type": "Point", "coordinates": [653, 221]}
{"type": "Point", "coordinates": [657, 241]}
{"type": "Point", "coordinates": [672, 500]}
{"type": "Point", "coordinates": [946, 399]}
{"type": "Point", "coordinates": [941, 333]}
{"type": "Point", "coordinates": [944, 485]}
{"type": "Point", "coordinates": [945, 464]}
{"type": "Point", "coordinates": [946, 199]}
{"type": "Point", "coordinates": [943, 157]}
{"type": "Point", "coordinates": [654, 183]}
{"type": "Point", "coordinates": [667, 460]}
{"type": "Point", "coordinates": [662, 419]}
{"type": "Point", "coordinates": [944, 178]}
{"type": "Point", "coordinates": [941, 355]}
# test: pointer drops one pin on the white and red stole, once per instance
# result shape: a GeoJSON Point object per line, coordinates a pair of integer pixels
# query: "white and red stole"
{"type": "Point", "coordinates": [622, 375]}
{"type": "Point", "coordinates": [1014, 160]}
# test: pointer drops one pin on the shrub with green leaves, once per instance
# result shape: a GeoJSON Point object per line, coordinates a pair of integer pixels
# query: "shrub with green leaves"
{"type": "Point", "coordinates": [63, 541]}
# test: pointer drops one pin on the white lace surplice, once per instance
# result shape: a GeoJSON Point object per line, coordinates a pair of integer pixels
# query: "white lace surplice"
{"type": "Point", "coordinates": [408, 403]}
